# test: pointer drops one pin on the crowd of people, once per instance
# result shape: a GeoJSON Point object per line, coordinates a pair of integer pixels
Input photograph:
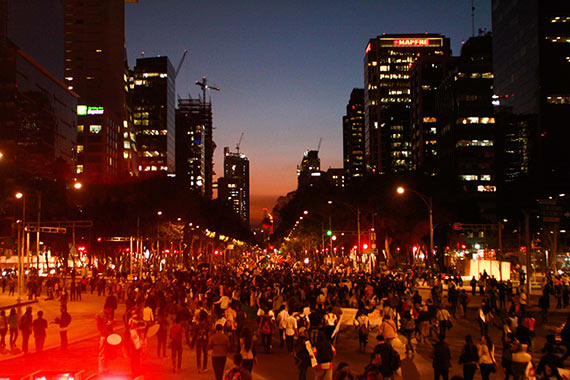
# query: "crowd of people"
{"type": "Point", "coordinates": [241, 311]}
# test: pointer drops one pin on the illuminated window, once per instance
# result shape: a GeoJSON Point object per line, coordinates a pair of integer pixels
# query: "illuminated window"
{"type": "Point", "coordinates": [485, 177]}
{"type": "Point", "coordinates": [558, 99]}
{"type": "Point", "coordinates": [558, 39]}
{"type": "Point", "coordinates": [79, 169]}
{"type": "Point", "coordinates": [69, 78]}
{"type": "Point", "coordinates": [80, 148]}
{"type": "Point", "coordinates": [95, 129]}
{"type": "Point", "coordinates": [486, 189]}
{"type": "Point", "coordinates": [80, 128]}
{"type": "Point", "coordinates": [430, 119]}
{"type": "Point", "coordinates": [487, 75]}
{"type": "Point", "coordinates": [125, 155]}
{"type": "Point", "coordinates": [374, 63]}
{"type": "Point", "coordinates": [468, 177]}
{"type": "Point", "coordinates": [467, 143]}
{"type": "Point", "coordinates": [384, 68]}
{"type": "Point", "coordinates": [556, 19]}
{"type": "Point", "coordinates": [476, 120]}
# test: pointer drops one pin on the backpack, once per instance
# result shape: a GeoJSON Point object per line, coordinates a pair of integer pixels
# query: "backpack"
{"type": "Point", "coordinates": [234, 374]}
{"type": "Point", "coordinates": [201, 334]}
{"type": "Point", "coordinates": [395, 362]}
{"type": "Point", "coordinates": [265, 326]}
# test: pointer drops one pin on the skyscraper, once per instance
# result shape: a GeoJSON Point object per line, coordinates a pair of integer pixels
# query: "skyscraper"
{"type": "Point", "coordinates": [353, 135]}
{"type": "Point", "coordinates": [233, 187]}
{"type": "Point", "coordinates": [387, 96]}
{"type": "Point", "coordinates": [426, 75]}
{"type": "Point", "coordinates": [531, 52]}
{"type": "Point", "coordinates": [468, 134]}
{"type": "Point", "coordinates": [38, 121]}
{"type": "Point", "coordinates": [153, 102]}
{"type": "Point", "coordinates": [190, 144]}
{"type": "Point", "coordinates": [95, 59]}
{"type": "Point", "coordinates": [309, 171]}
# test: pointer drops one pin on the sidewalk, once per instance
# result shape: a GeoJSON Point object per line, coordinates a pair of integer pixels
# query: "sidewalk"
{"type": "Point", "coordinates": [82, 312]}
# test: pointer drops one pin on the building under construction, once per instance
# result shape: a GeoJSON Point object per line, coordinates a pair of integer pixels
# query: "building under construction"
{"type": "Point", "coordinates": [194, 145]}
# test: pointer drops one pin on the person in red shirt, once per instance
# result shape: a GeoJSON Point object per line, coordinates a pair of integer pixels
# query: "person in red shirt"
{"type": "Point", "coordinates": [177, 333]}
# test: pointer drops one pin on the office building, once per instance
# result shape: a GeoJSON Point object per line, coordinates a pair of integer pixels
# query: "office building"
{"type": "Point", "coordinates": [353, 135]}
{"type": "Point", "coordinates": [153, 105]}
{"type": "Point", "coordinates": [426, 74]}
{"type": "Point", "coordinates": [37, 27]}
{"type": "Point", "coordinates": [190, 152]}
{"type": "Point", "coordinates": [467, 136]}
{"type": "Point", "coordinates": [387, 96]}
{"type": "Point", "coordinates": [38, 121]}
{"type": "Point", "coordinates": [309, 171]}
{"type": "Point", "coordinates": [94, 63]}
{"type": "Point", "coordinates": [531, 52]}
{"type": "Point", "coordinates": [336, 177]}
{"type": "Point", "coordinates": [233, 187]}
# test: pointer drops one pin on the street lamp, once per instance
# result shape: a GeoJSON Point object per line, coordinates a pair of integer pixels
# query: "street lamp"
{"type": "Point", "coordinates": [427, 199]}
{"type": "Point", "coordinates": [77, 185]}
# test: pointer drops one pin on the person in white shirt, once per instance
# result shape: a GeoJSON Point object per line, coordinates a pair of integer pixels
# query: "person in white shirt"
{"type": "Point", "coordinates": [281, 319]}
{"type": "Point", "coordinates": [290, 332]}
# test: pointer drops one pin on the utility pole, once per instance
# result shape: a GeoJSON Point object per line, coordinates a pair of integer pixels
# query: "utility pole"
{"type": "Point", "coordinates": [528, 249]}
{"type": "Point", "coordinates": [500, 248]}
{"type": "Point", "coordinates": [38, 231]}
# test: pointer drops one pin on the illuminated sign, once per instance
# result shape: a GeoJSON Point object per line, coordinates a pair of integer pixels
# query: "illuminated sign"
{"type": "Point", "coordinates": [89, 110]}
{"type": "Point", "coordinates": [412, 42]}
{"type": "Point", "coordinates": [368, 48]}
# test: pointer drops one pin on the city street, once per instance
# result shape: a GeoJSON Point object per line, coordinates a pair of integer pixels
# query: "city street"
{"type": "Point", "coordinates": [82, 352]}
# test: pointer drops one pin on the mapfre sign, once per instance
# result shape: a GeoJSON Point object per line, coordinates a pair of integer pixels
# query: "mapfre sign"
{"type": "Point", "coordinates": [411, 42]}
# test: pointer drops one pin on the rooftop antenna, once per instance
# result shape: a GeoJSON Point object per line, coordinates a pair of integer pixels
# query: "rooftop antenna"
{"type": "Point", "coordinates": [472, 18]}
{"type": "Point", "coordinates": [319, 146]}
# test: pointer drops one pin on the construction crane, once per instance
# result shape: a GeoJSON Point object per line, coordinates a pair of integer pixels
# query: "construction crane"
{"type": "Point", "coordinates": [204, 85]}
{"type": "Point", "coordinates": [180, 64]}
{"type": "Point", "coordinates": [238, 144]}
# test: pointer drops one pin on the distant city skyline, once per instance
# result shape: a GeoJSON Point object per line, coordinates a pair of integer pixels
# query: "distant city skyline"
{"type": "Point", "coordinates": [285, 69]}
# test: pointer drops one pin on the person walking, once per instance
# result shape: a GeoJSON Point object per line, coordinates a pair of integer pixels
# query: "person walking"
{"type": "Point", "coordinates": [408, 328]}
{"type": "Point", "coordinates": [63, 321]}
{"type": "Point", "coordinates": [220, 345]}
{"type": "Point", "coordinates": [105, 323]}
{"type": "Point", "coordinates": [238, 371]}
{"type": "Point", "coordinates": [247, 349]}
{"type": "Point", "coordinates": [13, 328]}
{"type": "Point", "coordinates": [162, 334]}
{"type": "Point", "coordinates": [3, 330]}
{"type": "Point", "coordinates": [40, 326]}
{"type": "Point", "coordinates": [521, 358]}
{"type": "Point", "coordinates": [441, 359]}
{"type": "Point", "coordinates": [325, 354]}
{"type": "Point", "coordinates": [26, 328]}
{"type": "Point", "coordinates": [200, 341]}
{"type": "Point", "coordinates": [443, 320]}
{"type": "Point", "coordinates": [362, 325]}
{"type": "Point", "coordinates": [265, 329]}
{"type": "Point", "coordinates": [177, 334]}
{"type": "Point", "coordinates": [290, 332]}
{"type": "Point", "coordinates": [469, 358]}
{"type": "Point", "coordinates": [486, 354]}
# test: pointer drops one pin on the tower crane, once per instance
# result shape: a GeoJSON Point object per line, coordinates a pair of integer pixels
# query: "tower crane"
{"type": "Point", "coordinates": [238, 144]}
{"type": "Point", "coordinates": [204, 85]}
{"type": "Point", "coordinates": [180, 64]}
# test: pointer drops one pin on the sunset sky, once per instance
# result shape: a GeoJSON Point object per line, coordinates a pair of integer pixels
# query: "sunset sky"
{"type": "Point", "coordinates": [285, 68]}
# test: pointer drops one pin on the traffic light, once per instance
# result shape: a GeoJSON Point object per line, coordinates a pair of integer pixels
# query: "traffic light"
{"type": "Point", "coordinates": [329, 232]}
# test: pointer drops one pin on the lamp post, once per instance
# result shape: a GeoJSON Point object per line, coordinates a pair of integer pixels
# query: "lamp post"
{"type": "Point", "coordinates": [427, 199]}
{"type": "Point", "coordinates": [21, 248]}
